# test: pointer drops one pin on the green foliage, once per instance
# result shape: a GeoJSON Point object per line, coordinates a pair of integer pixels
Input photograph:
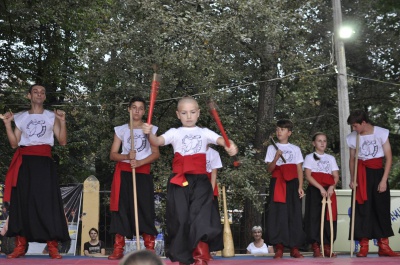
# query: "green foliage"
{"type": "Point", "coordinates": [259, 60]}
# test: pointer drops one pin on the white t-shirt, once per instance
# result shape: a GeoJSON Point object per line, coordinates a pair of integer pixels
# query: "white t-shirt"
{"type": "Point", "coordinates": [213, 160]}
{"type": "Point", "coordinates": [255, 250]}
{"type": "Point", "coordinates": [190, 140]}
{"type": "Point", "coordinates": [141, 144]}
{"type": "Point", "coordinates": [326, 163]}
{"type": "Point", "coordinates": [371, 144]}
{"type": "Point", "coordinates": [290, 152]}
{"type": "Point", "coordinates": [36, 129]}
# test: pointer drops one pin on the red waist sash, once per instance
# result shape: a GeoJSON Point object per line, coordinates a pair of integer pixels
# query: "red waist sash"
{"type": "Point", "coordinates": [191, 164]}
{"type": "Point", "coordinates": [116, 182]}
{"type": "Point", "coordinates": [283, 174]}
{"type": "Point", "coordinates": [216, 186]}
{"type": "Point", "coordinates": [12, 173]}
{"type": "Point", "coordinates": [327, 180]}
{"type": "Point", "coordinates": [361, 191]}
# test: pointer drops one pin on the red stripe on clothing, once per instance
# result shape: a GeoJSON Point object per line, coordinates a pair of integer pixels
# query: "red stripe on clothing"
{"type": "Point", "coordinates": [12, 173]}
{"type": "Point", "coordinates": [216, 186]}
{"type": "Point", "coordinates": [283, 174]}
{"type": "Point", "coordinates": [327, 180]}
{"type": "Point", "coordinates": [190, 164]}
{"type": "Point", "coordinates": [116, 183]}
{"type": "Point", "coordinates": [361, 191]}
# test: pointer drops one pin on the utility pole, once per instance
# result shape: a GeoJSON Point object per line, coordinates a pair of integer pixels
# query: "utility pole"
{"type": "Point", "coordinates": [343, 94]}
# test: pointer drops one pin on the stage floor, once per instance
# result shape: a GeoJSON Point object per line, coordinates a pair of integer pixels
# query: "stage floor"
{"type": "Point", "coordinates": [372, 259]}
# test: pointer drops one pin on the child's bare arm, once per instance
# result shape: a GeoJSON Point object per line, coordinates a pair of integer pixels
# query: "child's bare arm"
{"type": "Point", "coordinates": [153, 139]}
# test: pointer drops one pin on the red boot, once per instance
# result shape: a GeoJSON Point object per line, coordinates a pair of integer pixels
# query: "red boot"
{"type": "Point", "coordinates": [327, 252]}
{"type": "Point", "coordinates": [20, 247]}
{"type": "Point", "coordinates": [119, 244]}
{"type": "Point", "coordinates": [364, 246]}
{"type": "Point", "coordinates": [278, 251]}
{"type": "Point", "coordinates": [201, 254]}
{"type": "Point", "coordinates": [149, 241]}
{"type": "Point", "coordinates": [384, 249]}
{"type": "Point", "coordinates": [316, 250]}
{"type": "Point", "coordinates": [294, 252]}
{"type": "Point", "coordinates": [53, 249]}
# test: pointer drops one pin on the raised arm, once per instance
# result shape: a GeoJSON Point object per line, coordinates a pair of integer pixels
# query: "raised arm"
{"type": "Point", "coordinates": [13, 135]}
{"type": "Point", "coordinates": [60, 127]}
{"type": "Point", "coordinates": [153, 139]}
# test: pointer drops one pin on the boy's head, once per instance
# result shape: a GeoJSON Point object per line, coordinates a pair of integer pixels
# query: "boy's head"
{"type": "Point", "coordinates": [37, 93]}
{"type": "Point", "coordinates": [138, 107]}
{"type": "Point", "coordinates": [284, 130]}
{"type": "Point", "coordinates": [188, 111]}
{"type": "Point", "coordinates": [358, 120]}
{"type": "Point", "coordinates": [358, 116]}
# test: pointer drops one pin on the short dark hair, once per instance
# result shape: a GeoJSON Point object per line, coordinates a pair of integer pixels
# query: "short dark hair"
{"type": "Point", "coordinates": [358, 116]}
{"type": "Point", "coordinates": [93, 229]}
{"type": "Point", "coordinates": [140, 99]}
{"type": "Point", "coordinates": [285, 124]}
{"type": "Point", "coordinates": [141, 257]}
{"type": "Point", "coordinates": [32, 86]}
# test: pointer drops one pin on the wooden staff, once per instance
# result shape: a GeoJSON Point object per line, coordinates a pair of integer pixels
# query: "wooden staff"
{"type": "Point", "coordinates": [229, 249]}
{"type": "Point", "coordinates": [134, 184]}
{"type": "Point", "coordinates": [323, 223]}
{"type": "Point", "coordinates": [353, 205]}
{"type": "Point", "coordinates": [212, 107]}
{"type": "Point", "coordinates": [276, 148]}
{"type": "Point", "coordinates": [329, 202]}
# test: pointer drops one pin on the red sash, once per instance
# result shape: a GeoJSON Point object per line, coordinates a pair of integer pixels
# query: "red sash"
{"type": "Point", "coordinates": [327, 180]}
{"type": "Point", "coordinates": [116, 183]}
{"type": "Point", "coordinates": [283, 174]}
{"type": "Point", "coordinates": [12, 173]}
{"type": "Point", "coordinates": [361, 191]}
{"type": "Point", "coordinates": [191, 164]}
{"type": "Point", "coordinates": [216, 186]}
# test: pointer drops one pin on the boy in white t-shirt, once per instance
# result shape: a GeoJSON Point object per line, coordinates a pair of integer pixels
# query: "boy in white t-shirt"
{"type": "Point", "coordinates": [372, 212]}
{"type": "Point", "coordinates": [192, 220]}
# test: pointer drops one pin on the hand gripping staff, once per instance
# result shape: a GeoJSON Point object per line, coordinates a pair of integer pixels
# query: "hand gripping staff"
{"type": "Point", "coordinates": [155, 85]}
{"type": "Point", "coordinates": [353, 204]}
{"type": "Point", "coordinates": [276, 148]}
{"type": "Point", "coordinates": [212, 107]}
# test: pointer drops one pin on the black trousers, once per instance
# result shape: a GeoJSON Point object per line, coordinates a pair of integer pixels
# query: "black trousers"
{"type": "Point", "coordinates": [372, 219]}
{"type": "Point", "coordinates": [191, 217]}
{"type": "Point", "coordinates": [284, 220]}
{"type": "Point", "coordinates": [123, 221]}
{"type": "Point", "coordinates": [312, 218]}
{"type": "Point", "coordinates": [36, 206]}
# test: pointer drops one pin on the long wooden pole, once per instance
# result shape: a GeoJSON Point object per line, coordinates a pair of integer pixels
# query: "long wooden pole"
{"type": "Point", "coordinates": [353, 205]}
{"type": "Point", "coordinates": [134, 184]}
{"type": "Point", "coordinates": [322, 223]}
{"type": "Point", "coordinates": [329, 202]}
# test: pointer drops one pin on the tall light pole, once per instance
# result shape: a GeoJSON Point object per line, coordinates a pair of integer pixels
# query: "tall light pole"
{"type": "Point", "coordinates": [343, 94]}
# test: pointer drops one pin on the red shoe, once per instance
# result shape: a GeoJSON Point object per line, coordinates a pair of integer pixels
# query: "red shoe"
{"type": "Point", "coordinates": [278, 251]}
{"type": "Point", "coordinates": [327, 252]}
{"type": "Point", "coordinates": [20, 247]}
{"type": "Point", "coordinates": [201, 254]}
{"type": "Point", "coordinates": [149, 241]}
{"type": "Point", "coordinates": [119, 244]}
{"type": "Point", "coordinates": [294, 252]}
{"type": "Point", "coordinates": [364, 247]}
{"type": "Point", "coordinates": [384, 249]}
{"type": "Point", "coordinates": [316, 250]}
{"type": "Point", "coordinates": [53, 249]}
